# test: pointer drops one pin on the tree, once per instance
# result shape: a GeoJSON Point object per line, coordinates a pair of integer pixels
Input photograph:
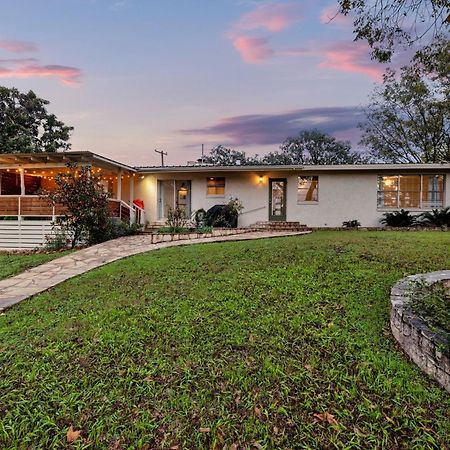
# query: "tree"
{"type": "Point", "coordinates": [313, 147]}
{"type": "Point", "coordinates": [387, 23]}
{"type": "Point", "coordinates": [86, 215]}
{"type": "Point", "coordinates": [222, 156]}
{"type": "Point", "coordinates": [408, 119]}
{"type": "Point", "coordinates": [27, 127]}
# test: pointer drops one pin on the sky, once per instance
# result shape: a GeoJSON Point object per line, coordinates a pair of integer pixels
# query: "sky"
{"type": "Point", "coordinates": [132, 76]}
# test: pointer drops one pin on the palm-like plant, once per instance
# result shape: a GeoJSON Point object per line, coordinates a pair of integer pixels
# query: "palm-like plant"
{"type": "Point", "coordinates": [400, 218]}
{"type": "Point", "coordinates": [436, 217]}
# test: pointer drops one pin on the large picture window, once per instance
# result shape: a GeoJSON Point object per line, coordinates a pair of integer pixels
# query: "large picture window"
{"type": "Point", "coordinates": [411, 191]}
{"type": "Point", "coordinates": [308, 189]}
{"type": "Point", "coordinates": [215, 186]}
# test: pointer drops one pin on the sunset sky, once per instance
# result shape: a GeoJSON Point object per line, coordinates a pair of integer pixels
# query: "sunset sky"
{"type": "Point", "coordinates": [135, 75]}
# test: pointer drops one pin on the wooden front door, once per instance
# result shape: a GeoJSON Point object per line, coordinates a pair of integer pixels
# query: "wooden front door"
{"type": "Point", "coordinates": [277, 199]}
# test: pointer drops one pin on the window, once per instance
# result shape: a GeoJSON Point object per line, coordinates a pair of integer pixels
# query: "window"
{"type": "Point", "coordinates": [215, 186]}
{"type": "Point", "coordinates": [308, 189]}
{"type": "Point", "coordinates": [410, 191]}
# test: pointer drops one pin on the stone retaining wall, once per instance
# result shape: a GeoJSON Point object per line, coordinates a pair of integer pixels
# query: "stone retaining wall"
{"type": "Point", "coordinates": [420, 343]}
{"type": "Point", "coordinates": [169, 237]}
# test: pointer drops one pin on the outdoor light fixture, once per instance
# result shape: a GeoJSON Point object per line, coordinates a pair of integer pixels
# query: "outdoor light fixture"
{"type": "Point", "coordinates": [261, 179]}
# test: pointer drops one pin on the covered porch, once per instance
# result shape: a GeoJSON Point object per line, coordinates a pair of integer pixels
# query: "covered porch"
{"type": "Point", "coordinates": [26, 213]}
{"type": "Point", "coordinates": [25, 178]}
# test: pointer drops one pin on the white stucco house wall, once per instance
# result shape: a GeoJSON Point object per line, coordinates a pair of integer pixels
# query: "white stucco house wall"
{"type": "Point", "coordinates": [340, 193]}
{"type": "Point", "coordinates": [317, 196]}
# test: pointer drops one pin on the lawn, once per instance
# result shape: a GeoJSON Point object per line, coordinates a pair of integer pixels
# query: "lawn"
{"type": "Point", "coordinates": [13, 263]}
{"type": "Point", "coordinates": [280, 343]}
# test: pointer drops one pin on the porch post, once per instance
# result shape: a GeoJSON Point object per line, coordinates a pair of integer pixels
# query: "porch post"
{"type": "Point", "coordinates": [131, 189]}
{"type": "Point", "coordinates": [22, 181]}
{"type": "Point", "coordinates": [119, 185]}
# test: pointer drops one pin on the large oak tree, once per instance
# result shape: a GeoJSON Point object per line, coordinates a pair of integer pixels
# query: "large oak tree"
{"type": "Point", "coordinates": [27, 127]}
{"type": "Point", "coordinates": [408, 119]}
{"type": "Point", "coordinates": [314, 147]}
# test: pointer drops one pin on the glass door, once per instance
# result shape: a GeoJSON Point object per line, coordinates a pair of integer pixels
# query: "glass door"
{"type": "Point", "coordinates": [277, 199]}
{"type": "Point", "coordinates": [173, 194]}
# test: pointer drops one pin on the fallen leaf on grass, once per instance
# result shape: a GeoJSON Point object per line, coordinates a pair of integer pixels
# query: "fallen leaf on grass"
{"type": "Point", "coordinates": [326, 417]}
{"type": "Point", "coordinates": [115, 445]}
{"type": "Point", "coordinates": [205, 430]}
{"type": "Point", "coordinates": [258, 413]}
{"type": "Point", "coordinates": [233, 446]}
{"type": "Point", "coordinates": [72, 435]}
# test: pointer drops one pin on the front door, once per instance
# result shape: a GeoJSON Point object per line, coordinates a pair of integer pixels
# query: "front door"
{"type": "Point", "coordinates": [277, 199]}
{"type": "Point", "coordinates": [173, 194]}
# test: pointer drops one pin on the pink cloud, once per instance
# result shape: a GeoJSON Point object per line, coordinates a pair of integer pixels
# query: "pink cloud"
{"type": "Point", "coordinates": [17, 46]}
{"type": "Point", "coordinates": [269, 17]}
{"type": "Point", "coordinates": [331, 14]}
{"type": "Point", "coordinates": [252, 49]}
{"type": "Point", "coordinates": [22, 69]}
{"type": "Point", "coordinates": [353, 57]}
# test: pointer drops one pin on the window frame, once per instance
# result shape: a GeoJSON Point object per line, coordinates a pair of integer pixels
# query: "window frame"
{"type": "Point", "coordinates": [214, 179]}
{"type": "Point", "coordinates": [308, 202]}
{"type": "Point", "coordinates": [421, 191]}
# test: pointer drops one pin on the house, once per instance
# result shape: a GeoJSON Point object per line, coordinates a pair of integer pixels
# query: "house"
{"type": "Point", "coordinates": [318, 196]}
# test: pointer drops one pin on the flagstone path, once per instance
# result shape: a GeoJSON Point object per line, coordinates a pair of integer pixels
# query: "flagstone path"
{"type": "Point", "coordinates": [38, 279]}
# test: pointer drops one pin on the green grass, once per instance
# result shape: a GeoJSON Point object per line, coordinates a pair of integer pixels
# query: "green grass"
{"type": "Point", "coordinates": [13, 263]}
{"type": "Point", "coordinates": [247, 340]}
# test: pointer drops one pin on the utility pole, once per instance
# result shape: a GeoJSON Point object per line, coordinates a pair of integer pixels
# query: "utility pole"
{"type": "Point", "coordinates": [162, 153]}
{"type": "Point", "coordinates": [203, 152]}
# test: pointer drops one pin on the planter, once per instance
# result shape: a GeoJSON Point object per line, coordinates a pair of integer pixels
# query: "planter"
{"type": "Point", "coordinates": [428, 349]}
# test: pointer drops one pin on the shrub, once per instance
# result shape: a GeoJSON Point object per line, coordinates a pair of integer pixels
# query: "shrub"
{"type": "Point", "coordinates": [86, 205]}
{"type": "Point", "coordinates": [176, 218]}
{"type": "Point", "coordinates": [399, 219]}
{"type": "Point", "coordinates": [173, 230]}
{"type": "Point", "coordinates": [116, 229]}
{"type": "Point", "coordinates": [56, 241]}
{"type": "Point", "coordinates": [436, 218]}
{"type": "Point", "coordinates": [351, 224]}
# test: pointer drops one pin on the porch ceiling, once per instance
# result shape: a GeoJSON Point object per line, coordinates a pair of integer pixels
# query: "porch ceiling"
{"type": "Point", "coordinates": [44, 160]}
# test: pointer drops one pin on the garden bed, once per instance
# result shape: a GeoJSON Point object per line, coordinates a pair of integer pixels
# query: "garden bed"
{"type": "Point", "coordinates": [168, 236]}
{"type": "Point", "coordinates": [420, 321]}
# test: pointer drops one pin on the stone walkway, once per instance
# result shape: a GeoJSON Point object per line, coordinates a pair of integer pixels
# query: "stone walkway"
{"type": "Point", "coordinates": [15, 289]}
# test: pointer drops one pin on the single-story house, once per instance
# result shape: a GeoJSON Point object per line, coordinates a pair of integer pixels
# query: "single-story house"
{"type": "Point", "coordinates": [317, 196]}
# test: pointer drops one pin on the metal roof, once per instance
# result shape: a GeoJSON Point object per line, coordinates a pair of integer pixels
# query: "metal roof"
{"type": "Point", "coordinates": [302, 168]}
{"type": "Point", "coordinates": [30, 159]}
